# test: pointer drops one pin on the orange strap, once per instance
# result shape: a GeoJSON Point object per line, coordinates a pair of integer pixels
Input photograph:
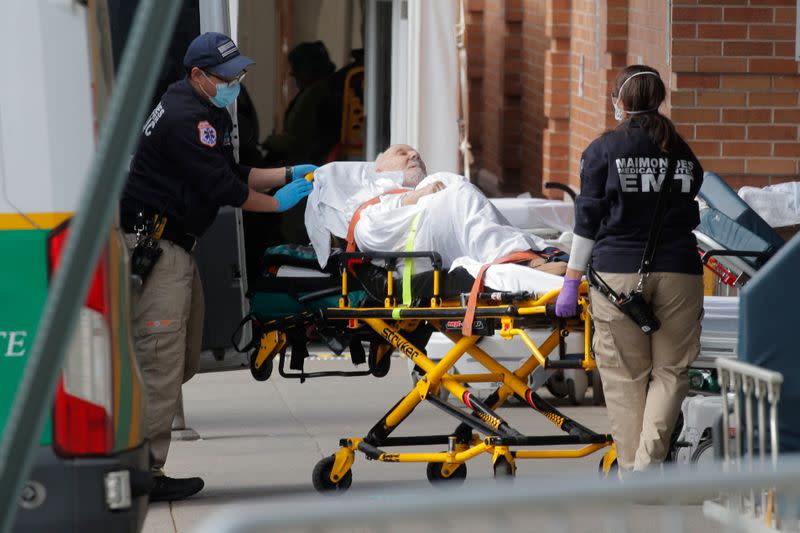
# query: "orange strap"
{"type": "Point", "coordinates": [477, 286]}
{"type": "Point", "coordinates": [351, 231]}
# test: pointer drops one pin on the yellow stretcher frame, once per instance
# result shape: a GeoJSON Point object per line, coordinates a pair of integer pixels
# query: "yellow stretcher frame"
{"type": "Point", "coordinates": [499, 440]}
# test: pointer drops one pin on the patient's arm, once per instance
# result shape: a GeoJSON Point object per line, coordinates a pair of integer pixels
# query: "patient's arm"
{"type": "Point", "coordinates": [414, 196]}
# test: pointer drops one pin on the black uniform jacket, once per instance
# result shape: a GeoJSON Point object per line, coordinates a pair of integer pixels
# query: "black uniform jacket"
{"type": "Point", "coordinates": [621, 174]}
{"type": "Point", "coordinates": [184, 165]}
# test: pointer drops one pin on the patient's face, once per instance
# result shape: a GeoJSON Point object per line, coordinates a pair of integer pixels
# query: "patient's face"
{"type": "Point", "coordinates": [402, 157]}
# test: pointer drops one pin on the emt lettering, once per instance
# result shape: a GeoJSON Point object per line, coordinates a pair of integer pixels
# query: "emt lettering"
{"type": "Point", "coordinates": [646, 174]}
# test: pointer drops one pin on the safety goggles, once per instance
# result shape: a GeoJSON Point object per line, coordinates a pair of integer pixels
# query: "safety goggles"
{"type": "Point", "coordinates": [230, 83]}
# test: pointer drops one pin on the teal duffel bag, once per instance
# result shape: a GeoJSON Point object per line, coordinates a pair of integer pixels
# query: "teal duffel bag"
{"type": "Point", "coordinates": [290, 278]}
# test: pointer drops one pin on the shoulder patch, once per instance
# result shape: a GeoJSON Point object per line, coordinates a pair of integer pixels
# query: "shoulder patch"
{"type": "Point", "coordinates": [207, 133]}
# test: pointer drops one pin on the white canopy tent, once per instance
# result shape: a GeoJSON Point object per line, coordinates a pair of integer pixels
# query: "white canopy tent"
{"type": "Point", "coordinates": [424, 108]}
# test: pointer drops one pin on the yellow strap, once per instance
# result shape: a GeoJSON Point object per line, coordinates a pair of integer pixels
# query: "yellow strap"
{"type": "Point", "coordinates": [396, 313]}
{"type": "Point", "coordinates": [408, 271]}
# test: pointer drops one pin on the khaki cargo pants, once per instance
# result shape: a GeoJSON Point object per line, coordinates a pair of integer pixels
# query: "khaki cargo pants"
{"type": "Point", "coordinates": [645, 378]}
{"type": "Point", "coordinates": [168, 332]}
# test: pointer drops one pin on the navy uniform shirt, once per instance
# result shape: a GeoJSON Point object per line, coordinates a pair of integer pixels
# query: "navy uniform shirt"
{"type": "Point", "coordinates": [621, 174]}
{"type": "Point", "coordinates": [184, 165]}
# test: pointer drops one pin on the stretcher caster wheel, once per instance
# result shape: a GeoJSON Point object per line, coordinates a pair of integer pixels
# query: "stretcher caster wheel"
{"type": "Point", "coordinates": [321, 477]}
{"type": "Point", "coordinates": [704, 453]}
{"type": "Point", "coordinates": [379, 358]}
{"type": "Point", "coordinates": [556, 384]}
{"type": "Point", "coordinates": [435, 474]}
{"type": "Point", "coordinates": [264, 372]}
{"type": "Point", "coordinates": [612, 468]}
{"type": "Point", "coordinates": [503, 468]}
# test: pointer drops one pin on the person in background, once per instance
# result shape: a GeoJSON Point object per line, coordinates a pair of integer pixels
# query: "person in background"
{"type": "Point", "coordinates": [645, 377]}
{"type": "Point", "coordinates": [183, 171]}
{"type": "Point", "coordinates": [310, 123]}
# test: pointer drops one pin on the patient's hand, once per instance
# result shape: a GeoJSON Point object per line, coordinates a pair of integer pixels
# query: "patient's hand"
{"type": "Point", "coordinates": [414, 196]}
{"type": "Point", "coordinates": [557, 268]}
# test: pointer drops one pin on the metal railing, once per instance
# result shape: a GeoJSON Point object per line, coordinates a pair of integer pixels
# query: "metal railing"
{"type": "Point", "coordinates": [665, 501]}
{"type": "Point", "coordinates": [737, 494]}
{"type": "Point", "coordinates": [742, 383]}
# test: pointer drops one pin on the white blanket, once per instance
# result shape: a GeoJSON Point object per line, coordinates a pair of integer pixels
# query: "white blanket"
{"type": "Point", "coordinates": [339, 188]}
{"type": "Point", "coordinates": [458, 222]}
{"type": "Point", "coordinates": [778, 205]}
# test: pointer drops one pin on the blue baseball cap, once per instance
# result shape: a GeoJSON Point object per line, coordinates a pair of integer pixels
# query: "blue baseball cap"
{"type": "Point", "coordinates": [218, 54]}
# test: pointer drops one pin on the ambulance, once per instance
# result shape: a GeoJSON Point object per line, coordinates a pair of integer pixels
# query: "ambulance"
{"type": "Point", "coordinates": [91, 469]}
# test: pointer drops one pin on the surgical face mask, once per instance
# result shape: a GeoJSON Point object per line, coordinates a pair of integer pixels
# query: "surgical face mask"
{"type": "Point", "coordinates": [226, 93]}
{"type": "Point", "coordinates": [617, 109]}
{"type": "Point", "coordinates": [618, 115]}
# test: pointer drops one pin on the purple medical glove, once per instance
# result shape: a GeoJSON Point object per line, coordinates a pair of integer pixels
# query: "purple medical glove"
{"type": "Point", "coordinates": [567, 302]}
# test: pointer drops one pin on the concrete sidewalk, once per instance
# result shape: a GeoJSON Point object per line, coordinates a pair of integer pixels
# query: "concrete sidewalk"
{"type": "Point", "coordinates": [262, 440]}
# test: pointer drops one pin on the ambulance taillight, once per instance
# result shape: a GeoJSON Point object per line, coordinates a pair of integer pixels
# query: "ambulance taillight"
{"type": "Point", "coordinates": [83, 406]}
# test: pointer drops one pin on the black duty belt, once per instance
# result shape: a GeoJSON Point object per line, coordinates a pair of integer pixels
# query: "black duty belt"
{"type": "Point", "coordinates": [171, 232]}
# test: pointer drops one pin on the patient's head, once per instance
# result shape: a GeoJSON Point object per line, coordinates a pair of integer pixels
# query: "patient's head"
{"type": "Point", "coordinates": [402, 157]}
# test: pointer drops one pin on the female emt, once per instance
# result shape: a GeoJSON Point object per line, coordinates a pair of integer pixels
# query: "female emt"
{"type": "Point", "coordinates": [645, 377]}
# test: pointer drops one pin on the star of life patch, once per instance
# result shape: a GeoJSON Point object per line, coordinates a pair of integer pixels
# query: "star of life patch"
{"type": "Point", "coordinates": [208, 135]}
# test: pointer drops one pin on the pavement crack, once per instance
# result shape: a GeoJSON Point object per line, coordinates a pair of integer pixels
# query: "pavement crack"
{"type": "Point", "coordinates": [297, 420]}
{"type": "Point", "coordinates": [172, 517]}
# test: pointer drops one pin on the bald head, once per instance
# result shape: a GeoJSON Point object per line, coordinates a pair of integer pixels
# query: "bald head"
{"type": "Point", "coordinates": [402, 157]}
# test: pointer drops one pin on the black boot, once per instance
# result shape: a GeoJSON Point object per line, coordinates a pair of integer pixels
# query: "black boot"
{"type": "Point", "coordinates": [168, 489]}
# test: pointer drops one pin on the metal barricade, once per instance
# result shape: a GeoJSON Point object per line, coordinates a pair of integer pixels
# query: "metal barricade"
{"type": "Point", "coordinates": [666, 502]}
{"type": "Point", "coordinates": [743, 383]}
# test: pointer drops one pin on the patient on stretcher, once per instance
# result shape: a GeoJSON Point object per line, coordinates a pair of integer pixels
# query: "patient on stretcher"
{"type": "Point", "coordinates": [442, 212]}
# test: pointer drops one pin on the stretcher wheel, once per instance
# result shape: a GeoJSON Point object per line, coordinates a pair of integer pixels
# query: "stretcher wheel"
{"type": "Point", "coordinates": [321, 477]}
{"type": "Point", "coordinates": [612, 470]}
{"type": "Point", "coordinates": [263, 373]}
{"type": "Point", "coordinates": [704, 453]}
{"type": "Point", "coordinates": [379, 368]}
{"type": "Point", "coordinates": [503, 468]}
{"type": "Point", "coordinates": [434, 473]}
{"type": "Point", "coordinates": [556, 384]}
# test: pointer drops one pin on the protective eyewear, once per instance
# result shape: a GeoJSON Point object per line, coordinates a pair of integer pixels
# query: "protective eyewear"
{"type": "Point", "coordinates": [230, 83]}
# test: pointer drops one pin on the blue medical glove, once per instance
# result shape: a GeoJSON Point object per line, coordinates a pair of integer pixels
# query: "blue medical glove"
{"type": "Point", "coordinates": [299, 171]}
{"type": "Point", "coordinates": [567, 302]}
{"type": "Point", "coordinates": [290, 194]}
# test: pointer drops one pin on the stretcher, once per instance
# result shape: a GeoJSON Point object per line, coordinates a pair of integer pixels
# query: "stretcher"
{"type": "Point", "coordinates": [389, 315]}
{"type": "Point", "coordinates": [734, 242]}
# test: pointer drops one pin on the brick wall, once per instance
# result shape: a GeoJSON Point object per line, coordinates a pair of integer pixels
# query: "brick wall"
{"type": "Point", "coordinates": [736, 85]}
{"type": "Point", "coordinates": [498, 126]}
{"type": "Point", "coordinates": [728, 65]}
{"type": "Point", "coordinates": [593, 51]}
{"type": "Point", "coordinates": [535, 44]}
{"type": "Point", "coordinates": [558, 74]}
{"type": "Point", "coordinates": [475, 68]}
{"type": "Point", "coordinates": [648, 35]}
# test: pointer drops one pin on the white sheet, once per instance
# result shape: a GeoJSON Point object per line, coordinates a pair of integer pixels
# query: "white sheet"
{"type": "Point", "coordinates": [778, 205]}
{"type": "Point", "coordinates": [339, 188]}
{"type": "Point", "coordinates": [537, 213]}
{"type": "Point", "coordinates": [458, 222]}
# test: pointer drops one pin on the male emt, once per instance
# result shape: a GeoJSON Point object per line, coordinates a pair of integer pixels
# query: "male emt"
{"type": "Point", "coordinates": [183, 171]}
